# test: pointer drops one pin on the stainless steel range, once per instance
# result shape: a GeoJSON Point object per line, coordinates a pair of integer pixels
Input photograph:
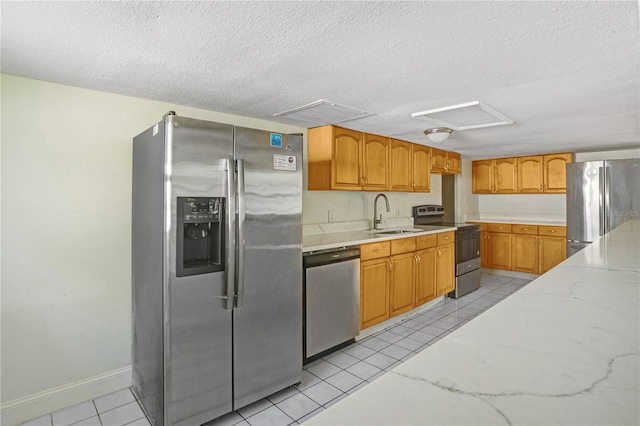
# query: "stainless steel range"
{"type": "Point", "coordinates": [467, 247]}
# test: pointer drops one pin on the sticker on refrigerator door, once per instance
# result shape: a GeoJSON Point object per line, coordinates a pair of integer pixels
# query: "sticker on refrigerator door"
{"type": "Point", "coordinates": [287, 163]}
{"type": "Point", "coordinates": [276, 140]}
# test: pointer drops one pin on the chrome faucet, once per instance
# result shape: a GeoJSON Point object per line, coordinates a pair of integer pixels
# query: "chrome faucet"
{"type": "Point", "coordinates": [377, 221]}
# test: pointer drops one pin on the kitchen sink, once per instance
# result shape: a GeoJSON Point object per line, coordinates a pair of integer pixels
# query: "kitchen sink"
{"type": "Point", "coordinates": [398, 231]}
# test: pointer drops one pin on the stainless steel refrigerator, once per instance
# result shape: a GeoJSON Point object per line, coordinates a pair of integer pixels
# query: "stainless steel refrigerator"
{"type": "Point", "coordinates": [216, 267]}
{"type": "Point", "coordinates": [601, 195]}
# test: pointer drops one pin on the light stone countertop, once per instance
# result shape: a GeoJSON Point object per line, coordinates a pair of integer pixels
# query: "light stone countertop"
{"type": "Point", "coordinates": [348, 238]}
{"type": "Point", "coordinates": [562, 350]}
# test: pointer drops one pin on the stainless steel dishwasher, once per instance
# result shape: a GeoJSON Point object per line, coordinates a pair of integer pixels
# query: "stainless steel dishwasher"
{"type": "Point", "coordinates": [331, 300]}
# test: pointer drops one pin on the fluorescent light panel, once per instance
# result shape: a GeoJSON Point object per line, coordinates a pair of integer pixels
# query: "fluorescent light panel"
{"type": "Point", "coordinates": [470, 115]}
{"type": "Point", "coordinates": [324, 112]}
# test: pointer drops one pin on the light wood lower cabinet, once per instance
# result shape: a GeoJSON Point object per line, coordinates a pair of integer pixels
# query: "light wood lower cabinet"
{"type": "Point", "coordinates": [445, 269]}
{"type": "Point", "coordinates": [402, 291]}
{"type": "Point", "coordinates": [553, 250]}
{"type": "Point", "coordinates": [374, 291]}
{"type": "Point", "coordinates": [522, 247]}
{"type": "Point", "coordinates": [524, 253]}
{"type": "Point", "coordinates": [499, 245]}
{"type": "Point", "coordinates": [398, 275]}
{"type": "Point", "coordinates": [425, 275]}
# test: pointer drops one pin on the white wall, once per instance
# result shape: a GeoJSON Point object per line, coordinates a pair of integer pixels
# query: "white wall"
{"type": "Point", "coordinates": [349, 206]}
{"type": "Point", "coordinates": [66, 219]}
{"type": "Point", "coordinates": [607, 155]}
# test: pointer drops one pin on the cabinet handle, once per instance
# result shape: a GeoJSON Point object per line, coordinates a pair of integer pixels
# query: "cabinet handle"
{"type": "Point", "coordinates": [376, 250]}
{"type": "Point", "coordinates": [525, 229]}
{"type": "Point", "coordinates": [390, 265]}
{"type": "Point", "coordinates": [439, 252]}
{"type": "Point", "coordinates": [417, 259]}
{"type": "Point", "coordinates": [552, 231]}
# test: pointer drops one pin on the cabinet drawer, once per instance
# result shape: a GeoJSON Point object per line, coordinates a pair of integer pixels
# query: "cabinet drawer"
{"type": "Point", "coordinates": [426, 241]}
{"type": "Point", "coordinates": [446, 237]}
{"type": "Point", "coordinates": [375, 250]}
{"type": "Point", "coordinates": [524, 229]}
{"type": "Point", "coordinates": [554, 231]}
{"type": "Point", "coordinates": [499, 227]}
{"type": "Point", "coordinates": [403, 245]}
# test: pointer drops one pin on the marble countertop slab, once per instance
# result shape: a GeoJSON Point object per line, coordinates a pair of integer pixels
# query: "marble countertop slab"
{"type": "Point", "coordinates": [562, 350]}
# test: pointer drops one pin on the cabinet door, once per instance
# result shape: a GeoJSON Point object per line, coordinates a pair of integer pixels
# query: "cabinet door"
{"type": "Point", "coordinates": [500, 250]}
{"type": "Point", "coordinates": [401, 165]}
{"type": "Point", "coordinates": [530, 174]}
{"type": "Point", "coordinates": [506, 177]}
{"type": "Point", "coordinates": [438, 161]}
{"type": "Point", "coordinates": [484, 249]}
{"type": "Point", "coordinates": [375, 163]}
{"type": "Point", "coordinates": [421, 168]}
{"type": "Point", "coordinates": [402, 292]}
{"type": "Point", "coordinates": [374, 291]}
{"type": "Point", "coordinates": [482, 176]}
{"type": "Point", "coordinates": [553, 250]}
{"type": "Point", "coordinates": [425, 275]}
{"type": "Point", "coordinates": [555, 172]}
{"type": "Point", "coordinates": [345, 164]}
{"type": "Point", "coordinates": [453, 162]}
{"type": "Point", "coordinates": [445, 269]}
{"type": "Point", "coordinates": [524, 253]}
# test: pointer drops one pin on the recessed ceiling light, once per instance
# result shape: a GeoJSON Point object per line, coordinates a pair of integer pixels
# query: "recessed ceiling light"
{"type": "Point", "coordinates": [470, 115]}
{"type": "Point", "coordinates": [324, 112]}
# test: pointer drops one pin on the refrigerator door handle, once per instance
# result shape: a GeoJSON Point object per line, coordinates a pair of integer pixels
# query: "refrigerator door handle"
{"type": "Point", "coordinates": [241, 233]}
{"type": "Point", "coordinates": [607, 212]}
{"type": "Point", "coordinates": [231, 234]}
{"type": "Point", "coordinates": [601, 185]}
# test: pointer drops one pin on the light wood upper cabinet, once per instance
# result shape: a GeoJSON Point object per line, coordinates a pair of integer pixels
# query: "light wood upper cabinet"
{"type": "Point", "coordinates": [375, 163]}
{"type": "Point", "coordinates": [521, 175]}
{"type": "Point", "coordinates": [444, 162]}
{"type": "Point", "coordinates": [335, 158]}
{"type": "Point", "coordinates": [494, 176]}
{"type": "Point", "coordinates": [482, 172]}
{"type": "Point", "coordinates": [421, 168]}
{"type": "Point", "coordinates": [401, 166]}
{"type": "Point", "coordinates": [506, 176]}
{"type": "Point", "coordinates": [554, 171]}
{"type": "Point", "coordinates": [343, 159]}
{"type": "Point", "coordinates": [530, 174]}
{"type": "Point", "coordinates": [453, 162]}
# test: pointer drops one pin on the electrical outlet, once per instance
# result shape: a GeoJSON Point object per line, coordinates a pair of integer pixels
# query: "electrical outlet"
{"type": "Point", "coordinates": [331, 216]}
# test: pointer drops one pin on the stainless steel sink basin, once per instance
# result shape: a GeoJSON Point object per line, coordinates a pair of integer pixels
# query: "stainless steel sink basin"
{"type": "Point", "coordinates": [397, 231]}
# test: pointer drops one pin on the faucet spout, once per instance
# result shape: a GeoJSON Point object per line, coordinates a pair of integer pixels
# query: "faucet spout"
{"type": "Point", "coordinates": [377, 221]}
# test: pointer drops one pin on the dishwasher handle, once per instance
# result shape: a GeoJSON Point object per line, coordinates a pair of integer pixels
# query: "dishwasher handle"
{"type": "Point", "coordinates": [327, 257]}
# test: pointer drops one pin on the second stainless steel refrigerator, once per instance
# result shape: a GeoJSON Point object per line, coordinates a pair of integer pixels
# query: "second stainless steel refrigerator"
{"type": "Point", "coordinates": [601, 195]}
{"type": "Point", "coordinates": [217, 268]}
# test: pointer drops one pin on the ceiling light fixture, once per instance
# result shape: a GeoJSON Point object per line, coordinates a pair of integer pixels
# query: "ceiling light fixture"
{"type": "Point", "coordinates": [438, 134]}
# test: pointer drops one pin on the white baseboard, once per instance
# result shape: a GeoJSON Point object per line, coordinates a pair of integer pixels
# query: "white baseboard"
{"type": "Point", "coordinates": [33, 406]}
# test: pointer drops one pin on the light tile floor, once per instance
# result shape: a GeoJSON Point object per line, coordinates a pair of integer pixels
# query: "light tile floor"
{"type": "Point", "coordinates": [324, 381]}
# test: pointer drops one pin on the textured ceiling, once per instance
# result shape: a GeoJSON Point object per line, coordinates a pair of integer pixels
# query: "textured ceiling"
{"type": "Point", "coordinates": [567, 73]}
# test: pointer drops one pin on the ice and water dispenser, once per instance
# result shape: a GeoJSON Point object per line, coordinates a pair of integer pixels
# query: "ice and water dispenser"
{"type": "Point", "coordinates": [200, 235]}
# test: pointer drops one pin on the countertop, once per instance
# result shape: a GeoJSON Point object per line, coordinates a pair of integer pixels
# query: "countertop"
{"type": "Point", "coordinates": [562, 350]}
{"type": "Point", "coordinates": [347, 238]}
